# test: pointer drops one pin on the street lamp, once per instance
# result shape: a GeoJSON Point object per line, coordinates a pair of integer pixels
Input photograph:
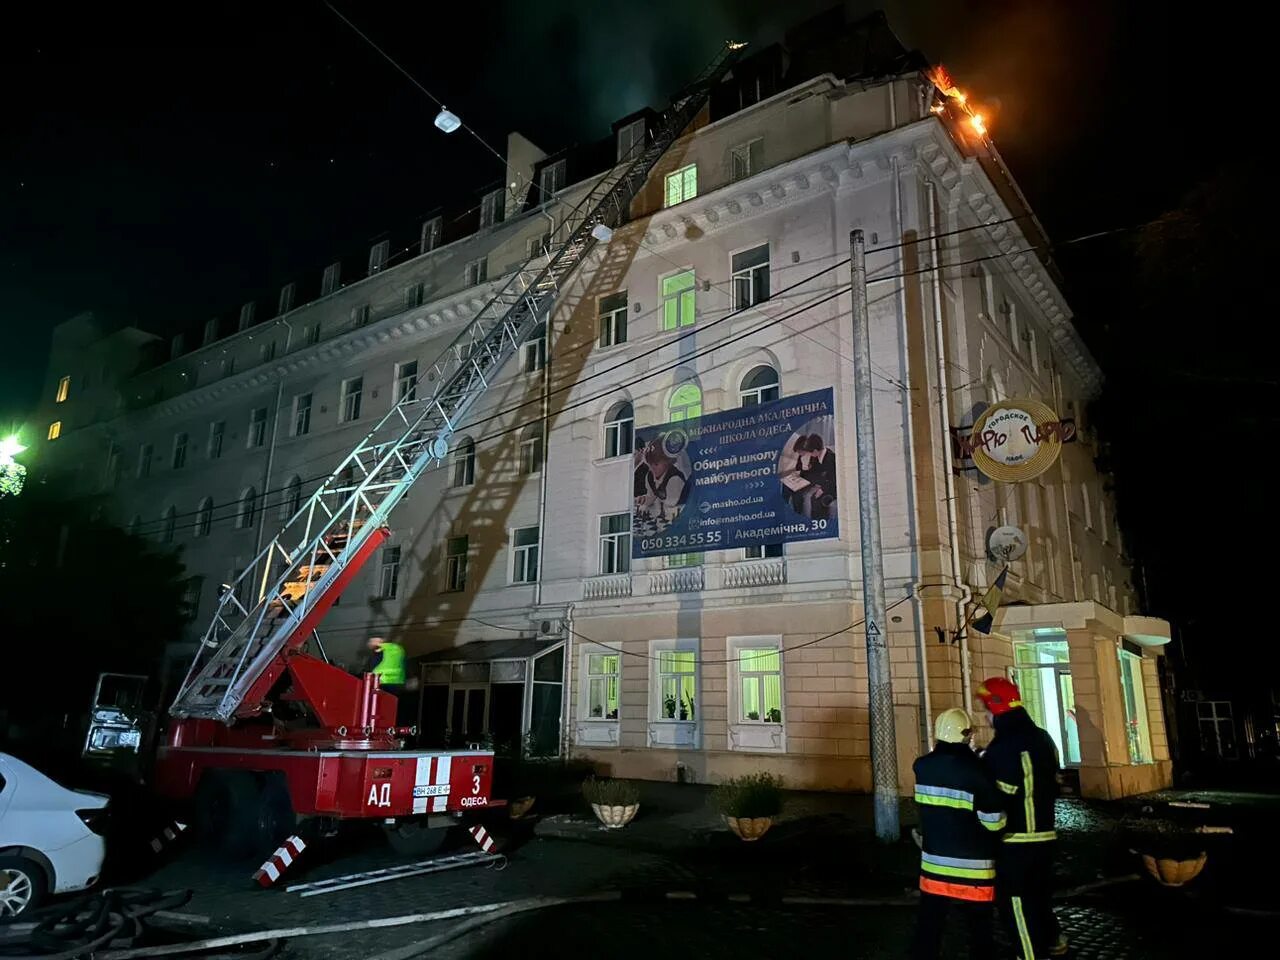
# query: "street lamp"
{"type": "Point", "coordinates": [447, 120]}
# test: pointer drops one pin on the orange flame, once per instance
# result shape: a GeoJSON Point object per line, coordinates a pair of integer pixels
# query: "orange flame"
{"type": "Point", "coordinates": [941, 79]}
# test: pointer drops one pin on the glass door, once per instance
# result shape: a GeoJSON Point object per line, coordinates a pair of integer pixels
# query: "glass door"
{"type": "Point", "coordinates": [1070, 729]}
{"type": "Point", "coordinates": [1042, 670]}
{"type": "Point", "coordinates": [469, 710]}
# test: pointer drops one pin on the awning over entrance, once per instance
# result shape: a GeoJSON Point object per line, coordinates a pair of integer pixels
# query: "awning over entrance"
{"type": "Point", "coordinates": [514, 648]}
{"type": "Point", "coordinates": [1147, 631]}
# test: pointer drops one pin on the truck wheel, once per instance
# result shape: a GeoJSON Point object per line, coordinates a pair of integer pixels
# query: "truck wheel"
{"type": "Point", "coordinates": [275, 817]}
{"type": "Point", "coordinates": [413, 838]}
{"type": "Point", "coordinates": [22, 886]}
{"type": "Point", "coordinates": [227, 811]}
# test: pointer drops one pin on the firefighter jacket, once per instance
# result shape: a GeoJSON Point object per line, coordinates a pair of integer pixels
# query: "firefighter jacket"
{"type": "Point", "coordinates": [1024, 762]}
{"type": "Point", "coordinates": [961, 813]}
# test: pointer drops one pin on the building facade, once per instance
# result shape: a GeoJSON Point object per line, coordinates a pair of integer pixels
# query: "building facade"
{"type": "Point", "coordinates": [509, 575]}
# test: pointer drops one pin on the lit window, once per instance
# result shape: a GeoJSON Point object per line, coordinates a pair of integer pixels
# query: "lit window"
{"type": "Point", "coordinates": [491, 208]}
{"type": "Point", "coordinates": [302, 414]}
{"type": "Point", "coordinates": [619, 431]}
{"type": "Point", "coordinates": [685, 403]}
{"type": "Point", "coordinates": [534, 356]}
{"type": "Point", "coordinates": [55, 430]}
{"type": "Point", "coordinates": [631, 140]}
{"type": "Point", "coordinates": [613, 320]}
{"type": "Point", "coordinates": [678, 300]}
{"type": "Point", "coordinates": [477, 271]}
{"type": "Point", "coordinates": [750, 277]}
{"type": "Point", "coordinates": [464, 463]}
{"type": "Point", "coordinates": [1135, 708]}
{"type": "Point", "coordinates": [204, 517]}
{"type": "Point", "coordinates": [389, 575]}
{"type": "Point", "coordinates": [247, 509]}
{"type": "Point", "coordinates": [550, 180]}
{"type": "Point", "coordinates": [602, 686]}
{"type": "Point", "coordinates": [179, 451]}
{"type": "Point", "coordinates": [430, 238]}
{"type": "Point", "coordinates": [1042, 670]}
{"type": "Point", "coordinates": [615, 543]}
{"type": "Point", "coordinates": [531, 449]}
{"type": "Point", "coordinates": [760, 684]}
{"type": "Point", "coordinates": [681, 185]}
{"type": "Point", "coordinates": [350, 399]}
{"type": "Point", "coordinates": [455, 564]}
{"type": "Point", "coordinates": [525, 542]}
{"type": "Point", "coordinates": [407, 381]}
{"type": "Point", "coordinates": [216, 431]}
{"type": "Point", "coordinates": [760, 385]}
{"type": "Point", "coordinates": [257, 427]}
{"type": "Point", "coordinates": [64, 389]}
{"type": "Point", "coordinates": [292, 501]}
{"type": "Point", "coordinates": [677, 685]}
{"type": "Point", "coordinates": [746, 159]}
{"type": "Point", "coordinates": [169, 522]}
{"type": "Point", "coordinates": [145, 453]}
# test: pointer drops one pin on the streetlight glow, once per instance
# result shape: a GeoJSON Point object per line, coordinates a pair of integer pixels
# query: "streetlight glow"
{"type": "Point", "coordinates": [10, 448]}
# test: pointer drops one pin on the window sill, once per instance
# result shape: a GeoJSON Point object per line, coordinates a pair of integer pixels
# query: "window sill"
{"type": "Point", "coordinates": [595, 732]}
{"type": "Point", "coordinates": [673, 733]}
{"type": "Point", "coordinates": [606, 460]}
{"type": "Point", "coordinates": [754, 736]}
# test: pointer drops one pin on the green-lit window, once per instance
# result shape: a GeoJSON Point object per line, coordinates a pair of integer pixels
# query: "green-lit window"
{"type": "Point", "coordinates": [602, 686]}
{"type": "Point", "coordinates": [681, 185]}
{"type": "Point", "coordinates": [678, 300]}
{"type": "Point", "coordinates": [760, 675]}
{"type": "Point", "coordinates": [677, 685]}
{"type": "Point", "coordinates": [1135, 708]}
{"type": "Point", "coordinates": [686, 403]}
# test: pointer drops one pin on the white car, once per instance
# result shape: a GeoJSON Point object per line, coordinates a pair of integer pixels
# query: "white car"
{"type": "Point", "coordinates": [50, 837]}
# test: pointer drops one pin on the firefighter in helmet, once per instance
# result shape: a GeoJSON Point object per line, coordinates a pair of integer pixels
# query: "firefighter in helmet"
{"type": "Point", "coordinates": [961, 814]}
{"type": "Point", "coordinates": [1023, 759]}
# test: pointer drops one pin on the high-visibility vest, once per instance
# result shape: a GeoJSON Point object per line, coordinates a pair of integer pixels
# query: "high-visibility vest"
{"type": "Point", "coordinates": [390, 669]}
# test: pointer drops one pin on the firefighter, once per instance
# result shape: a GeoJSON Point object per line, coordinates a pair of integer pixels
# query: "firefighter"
{"type": "Point", "coordinates": [1023, 760]}
{"type": "Point", "coordinates": [961, 814]}
{"type": "Point", "coordinates": [387, 662]}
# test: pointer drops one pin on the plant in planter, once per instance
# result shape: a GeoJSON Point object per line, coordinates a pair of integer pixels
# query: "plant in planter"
{"type": "Point", "coordinates": [1173, 853]}
{"type": "Point", "coordinates": [749, 803]}
{"type": "Point", "coordinates": [614, 802]}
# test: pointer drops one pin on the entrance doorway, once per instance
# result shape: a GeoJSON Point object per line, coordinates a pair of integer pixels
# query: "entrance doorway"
{"type": "Point", "coordinates": [1042, 670]}
{"type": "Point", "coordinates": [469, 710]}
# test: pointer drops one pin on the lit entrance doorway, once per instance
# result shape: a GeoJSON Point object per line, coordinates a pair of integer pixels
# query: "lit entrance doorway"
{"type": "Point", "coordinates": [1042, 671]}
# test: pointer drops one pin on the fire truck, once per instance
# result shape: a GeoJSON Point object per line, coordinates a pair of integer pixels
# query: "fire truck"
{"type": "Point", "coordinates": [263, 729]}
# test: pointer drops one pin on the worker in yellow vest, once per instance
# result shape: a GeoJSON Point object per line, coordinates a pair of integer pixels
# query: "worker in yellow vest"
{"type": "Point", "coordinates": [387, 663]}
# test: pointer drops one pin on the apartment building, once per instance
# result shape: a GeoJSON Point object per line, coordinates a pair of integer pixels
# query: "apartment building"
{"type": "Point", "coordinates": [510, 575]}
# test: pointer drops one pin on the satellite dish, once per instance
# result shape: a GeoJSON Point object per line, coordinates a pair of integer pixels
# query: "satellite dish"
{"type": "Point", "coordinates": [1006, 544]}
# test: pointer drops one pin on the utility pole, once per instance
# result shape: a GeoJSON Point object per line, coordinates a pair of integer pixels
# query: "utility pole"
{"type": "Point", "coordinates": [884, 751]}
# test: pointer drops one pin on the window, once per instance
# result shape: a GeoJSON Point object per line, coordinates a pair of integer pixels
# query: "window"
{"type": "Point", "coordinates": [1086, 506]}
{"type": "Point", "coordinates": [329, 279]}
{"type": "Point", "coordinates": [144, 461]}
{"type": "Point", "coordinates": [55, 430]}
{"type": "Point", "coordinates": [179, 451]}
{"type": "Point", "coordinates": [191, 591]}
{"type": "Point", "coordinates": [524, 554]}
{"type": "Point", "coordinates": [1033, 352]}
{"type": "Point", "coordinates": [531, 449]}
{"type": "Point", "coordinates": [602, 686]}
{"type": "Point", "coordinates": [430, 238]}
{"type": "Point", "coordinates": [257, 427]}
{"type": "Point", "coordinates": [246, 509]}
{"type": "Point", "coordinates": [677, 685]}
{"type": "Point", "coordinates": [350, 399]}
{"type": "Point", "coordinates": [378, 254]}
{"type": "Point", "coordinates": [246, 316]}
{"type": "Point", "coordinates": [1042, 670]}
{"type": "Point", "coordinates": [762, 551]}
{"type": "Point", "coordinates": [292, 501]}
{"type": "Point", "coordinates": [685, 403]}
{"type": "Point", "coordinates": [746, 159]}
{"type": "Point", "coordinates": [464, 463]}
{"type": "Point", "coordinates": [491, 208]}
{"type": "Point", "coordinates": [681, 185]}
{"type": "Point", "coordinates": [288, 294]}
{"type": "Point", "coordinates": [1135, 707]}
{"type": "Point", "coordinates": [631, 140]}
{"type": "Point", "coordinates": [1217, 729]}
{"type": "Point", "coordinates": [760, 385]}
{"type": "Point", "coordinates": [760, 683]}
{"type": "Point", "coordinates": [455, 564]}
{"type": "Point", "coordinates": [216, 431]}
{"type": "Point", "coordinates": [619, 431]}
{"type": "Point", "coordinates": [204, 517]}
{"type": "Point", "coordinates": [210, 331]}
{"type": "Point", "coordinates": [302, 414]}
{"type": "Point", "coordinates": [267, 352]}
{"type": "Point", "coordinates": [115, 465]}
{"type": "Point", "coordinates": [750, 277]}
{"type": "Point", "coordinates": [613, 320]}
{"type": "Point", "coordinates": [414, 295]}
{"type": "Point", "coordinates": [168, 523]}
{"type": "Point", "coordinates": [1011, 318]}
{"type": "Point", "coordinates": [477, 271]}
{"type": "Point", "coordinates": [311, 334]}
{"type": "Point", "coordinates": [678, 300]}
{"type": "Point", "coordinates": [615, 543]}
{"type": "Point", "coordinates": [406, 381]}
{"type": "Point", "coordinates": [985, 296]}
{"type": "Point", "coordinates": [64, 389]}
{"type": "Point", "coordinates": [360, 315]}
{"type": "Point", "coordinates": [534, 350]}
{"type": "Point", "coordinates": [1103, 526]}
{"type": "Point", "coordinates": [389, 574]}
{"type": "Point", "coordinates": [550, 180]}
{"type": "Point", "coordinates": [538, 246]}
{"type": "Point", "coordinates": [177, 345]}
{"type": "Point", "coordinates": [227, 367]}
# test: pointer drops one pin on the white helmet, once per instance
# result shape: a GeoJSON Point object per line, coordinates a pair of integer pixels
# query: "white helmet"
{"type": "Point", "coordinates": [952, 726]}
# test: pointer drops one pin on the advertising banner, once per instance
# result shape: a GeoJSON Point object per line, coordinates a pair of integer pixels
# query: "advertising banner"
{"type": "Point", "coordinates": [746, 477]}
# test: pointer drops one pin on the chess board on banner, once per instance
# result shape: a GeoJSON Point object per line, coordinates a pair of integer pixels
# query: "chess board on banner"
{"type": "Point", "coordinates": [749, 477]}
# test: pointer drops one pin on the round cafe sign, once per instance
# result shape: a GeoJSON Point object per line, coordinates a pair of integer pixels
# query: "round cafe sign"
{"type": "Point", "coordinates": [1016, 440]}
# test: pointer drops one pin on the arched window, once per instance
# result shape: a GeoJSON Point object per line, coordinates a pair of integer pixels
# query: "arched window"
{"type": "Point", "coordinates": [248, 506]}
{"type": "Point", "coordinates": [204, 517]}
{"type": "Point", "coordinates": [169, 520]}
{"type": "Point", "coordinates": [292, 497]}
{"type": "Point", "coordinates": [685, 403]}
{"type": "Point", "coordinates": [134, 522]}
{"type": "Point", "coordinates": [760, 385]}
{"type": "Point", "coordinates": [619, 430]}
{"type": "Point", "coordinates": [531, 449]}
{"type": "Point", "coordinates": [464, 463]}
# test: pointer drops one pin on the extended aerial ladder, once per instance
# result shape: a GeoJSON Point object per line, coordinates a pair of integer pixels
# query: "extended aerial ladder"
{"type": "Point", "coordinates": [250, 667]}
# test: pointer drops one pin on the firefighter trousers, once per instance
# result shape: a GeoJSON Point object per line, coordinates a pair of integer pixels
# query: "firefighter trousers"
{"type": "Point", "coordinates": [931, 922]}
{"type": "Point", "coordinates": [1024, 886]}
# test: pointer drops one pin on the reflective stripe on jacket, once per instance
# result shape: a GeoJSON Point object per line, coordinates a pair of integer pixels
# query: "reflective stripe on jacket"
{"type": "Point", "coordinates": [961, 813]}
{"type": "Point", "coordinates": [1024, 761]}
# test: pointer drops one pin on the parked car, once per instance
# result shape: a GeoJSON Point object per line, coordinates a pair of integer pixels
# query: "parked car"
{"type": "Point", "coordinates": [50, 837]}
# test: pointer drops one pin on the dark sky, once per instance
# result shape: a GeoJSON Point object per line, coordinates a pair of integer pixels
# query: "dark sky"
{"type": "Point", "coordinates": [161, 164]}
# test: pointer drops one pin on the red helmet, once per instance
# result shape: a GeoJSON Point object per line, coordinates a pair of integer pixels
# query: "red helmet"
{"type": "Point", "coordinates": [1000, 695]}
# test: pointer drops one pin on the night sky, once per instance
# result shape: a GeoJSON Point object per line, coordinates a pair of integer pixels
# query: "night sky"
{"type": "Point", "coordinates": [162, 164]}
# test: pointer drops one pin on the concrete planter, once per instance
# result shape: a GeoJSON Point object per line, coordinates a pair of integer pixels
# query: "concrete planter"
{"type": "Point", "coordinates": [749, 828]}
{"type": "Point", "coordinates": [520, 807]}
{"type": "Point", "coordinates": [1174, 873]}
{"type": "Point", "coordinates": [615, 817]}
